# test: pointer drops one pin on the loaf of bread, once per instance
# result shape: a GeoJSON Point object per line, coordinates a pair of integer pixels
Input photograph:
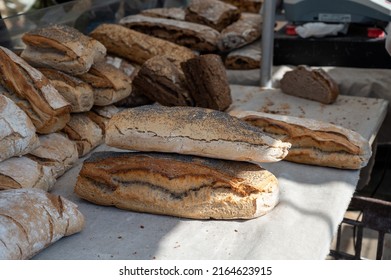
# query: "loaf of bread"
{"type": "Point", "coordinates": [240, 33]}
{"type": "Point", "coordinates": [17, 132]}
{"type": "Point", "coordinates": [33, 93]}
{"type": "Point", "coordinates": [313, 142]}
{"type": "Point", "coordinates": [162, 81]}
{"type": "Point", "coordinates": [213, 13]}
{"type": "Point", "coordinates": [61, 47]}
{"type": "Point", "coordinates": [192, 130]}
{"type": "Point", "coordinates": [207, 82]}
{"type": "Point", "coordinates": [24, 173]}
{"type": "Point", "coordinates": [192, 35]}
{"type": "Point", "coordinates": [102, 114]}
{"type": "Point", "coordinates": [56, 152]}
{"type": "Point", "coordinates": [245, 58]}
{"type": "Point", "coordinates": [78, 93]}
{"type": "Point", "coordinates": [178, 185]}
{"type": "Point", "coordinates": [109, 83]}
{"type": "Point", "coordinates": [312, 84]}
{"type": "Point", "coordinates": [130, 69]}
{"type": "Point", "coordinates": [31, 220]}
{"type": "Point", "coordinates": [249, 6]}
{"type": "Point", "coordinates": [85, 132]}
{"type": "Point", "coordinates": [136, 46]}
{"type": "Point", "coordinates": [177, 13]}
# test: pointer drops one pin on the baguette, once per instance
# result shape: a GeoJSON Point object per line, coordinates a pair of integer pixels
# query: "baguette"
{"type": "Point", "coordinates": [138, 47]}
{"type": "Point", "coordinates": [17, 132]}
{"type": "Point", "coordinates": [33, 93]}
{"type": "Point", "coordinates": [192, 130]}
{"type": "Point", "coordinates": [31, 220]}
{"type": "Point", "coordinates": [313, 142]}
{"type": "Point", "coordinates": [178, 185]}
{"type": "Point", "coordinates": [63, 48]}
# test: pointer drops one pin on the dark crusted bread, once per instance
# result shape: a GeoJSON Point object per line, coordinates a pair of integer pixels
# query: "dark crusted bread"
{"type": "Point", "coordinates": [178, 185]}
{"type": "Point", "coordinates": [177, 13]}
{"type": "Point", "coordinates": [313, 84]}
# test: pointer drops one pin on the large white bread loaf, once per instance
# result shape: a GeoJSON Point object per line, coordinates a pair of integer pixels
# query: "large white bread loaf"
{"type": "Point", "coordinates": [17, 132]}
{"type": "Point", "coordinates": [192, 130]}
{"type": "Point", "coordinates": [313, 142]}
{"type": "Point", "coordinates": [178, 185]}
{"type": "Point", "coordinates": [31, 220]}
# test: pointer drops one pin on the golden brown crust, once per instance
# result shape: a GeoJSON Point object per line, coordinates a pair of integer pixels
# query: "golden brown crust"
{"type": "Point", "coordinates": [178, 185]}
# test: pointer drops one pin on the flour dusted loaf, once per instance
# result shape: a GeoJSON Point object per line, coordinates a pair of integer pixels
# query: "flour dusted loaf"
{"type": "Point", "coordinates": [31, 220]}
{"type": "Point", "coordinates": [195, 36]}
{"type": "Point", "coordinates": [313, 84]}
{"type": "Point", "coordinates": [17, 132]}
{"type": "Point", "coordinates": [213, 13]}
{"type": "Point", "coordinates": [244, 58]}
{"type": "Point", "coordinates": [313, 142]}
{"type": "Point", "coordinates": [102, 114]}
{"type": "Point", "coordinates": [192, 130]}
{"type": "Point", "coordinates": [178, 185]}
{"type": "Point", "coordinates": [136, 46]}
{"type": "Point", "coordinates": [207, 82]}
{"type": "Point", "coordinates": [56, 152]}
{"type": "Point", "coordinates": [63, 48]}
{"type": "Point", "coordinates": [177, 13]}
{"type": "Point", "coordinates": [24, 173]}
{"type": "Point", "coordinates": [33, 93]}
{"type": "Point", "coordinates": [250, 6]}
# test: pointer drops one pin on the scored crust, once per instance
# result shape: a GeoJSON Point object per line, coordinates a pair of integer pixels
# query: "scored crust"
{"type": "Point", "coordinates": [178, 185]}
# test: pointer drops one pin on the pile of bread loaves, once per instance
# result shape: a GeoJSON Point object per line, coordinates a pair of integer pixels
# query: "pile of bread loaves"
{"type": "Point", "coordinates": [189, 156]}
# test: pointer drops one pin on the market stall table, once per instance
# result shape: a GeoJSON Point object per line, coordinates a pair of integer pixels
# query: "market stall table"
{"type": "Point", "coordinates": [312, 204]}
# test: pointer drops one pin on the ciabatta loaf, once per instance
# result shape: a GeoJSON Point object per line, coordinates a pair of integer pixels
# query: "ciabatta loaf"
{"type": "Point", "coordinates": [31, 220]}
{"type": "Point", "coordinates": [33, 93]}
{"type": "Point", "coordinates": [63, 48]}
{"type": "Point", "coordinates": [192, 130]}
{"type": "Point", "coordinates": [313, 142]}
{"type": "Point", "coordinates": [178, 185]}
{"type": "Point", "coordinates": [17, 132]}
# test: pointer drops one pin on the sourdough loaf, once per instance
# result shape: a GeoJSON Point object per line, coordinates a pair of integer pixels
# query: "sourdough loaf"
{"type": "Point", "coordinates": [136, 46]}
{"type": "Point", "coordinates": [31, 220]}
{"type": "Point", "coordinates": [192, 130]}
{"type": "Point", "coordinates": [249, 6]}
{"type": "Point", "coordinates": [177, 13]}
{"type": "Point", "coordinates": [313, 84]}
{"type": "Point", "coordinates": [178, 185]}
{"type": "Point", "coordinates": [102, 114]}
{"type": "Point", "coordinates": [245, 58]}
{"type": "Point", "coordinates": [33, 93]}
{"type": "Point", "coordinates": [207, 82]}
{"type": "Point", "coordinates": [17, 132]}
{"type": "Point", "coordinates": [313, 142]}
{"type": "Point", "coordinates": [62, 47]}
{"type": "Point", "coordinates": [213, 13]}
{"type": "Point", "coordinates": [24, 173]}
{"type": "Point", "coordinates": [192, 35]}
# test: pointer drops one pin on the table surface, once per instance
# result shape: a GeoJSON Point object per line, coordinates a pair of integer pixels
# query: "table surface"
{"type": "Point", "coordinates": [313, 202]}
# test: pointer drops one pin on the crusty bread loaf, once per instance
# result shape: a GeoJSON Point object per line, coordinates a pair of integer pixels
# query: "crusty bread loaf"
{"type": "Point", "coordinates": [24, 173]}
{"type": "Point", "coordinates": [102, 115]}
{"type": "Point", "coordinates": [136, 46]}
{"type": "Point", "coordinates": [240, 33]}
{"type": "Point", "coordinates": [177, 13]}
{"type": "Point", "coordinates": [192, 130]}
{"type": "Point", "coordinates": [56, 152]}
{"type": "Point", "coordinates": [244, 58]}
{"type": "Point", "coordinates": [33, 93]}
{"type": "Point", "coordinates": [78, 93]}
{"type": "Point", "coordinates": [249, 6]}
{"type": "Point", "coordinates": [31, 220]}
{"type": "Point", "coordinates": [160, 80]}
{"type": "Point", "coordinates": [313, 84]}
{"type": "Point", "coordinates": [85, 132]}
{"type": "Point", "coordinates": [207, 82]}
{"type": "Point", "coordinates": [61, 47]}
{"type": "Point", "coordinates": [195, 36]}
{"type": "Point", "coordinates": [17, 132]}
{"type": "Point", "coordinates": [213, 13]}
{"type": "Point", "coordinates": [313, 142]}
{"type": "Point", "coordinates": [109, 83]}
{"type": "Point", "coordinates": [178, 185]}
{"type": "Point", "coordinates": [130, 69]}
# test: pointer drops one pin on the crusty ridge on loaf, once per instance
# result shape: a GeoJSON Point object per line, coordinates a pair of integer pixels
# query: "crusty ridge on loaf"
{"type": "Point", "coordinates": [178, 185]}
{"type": "Point", "coordinates": [192, 130]}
